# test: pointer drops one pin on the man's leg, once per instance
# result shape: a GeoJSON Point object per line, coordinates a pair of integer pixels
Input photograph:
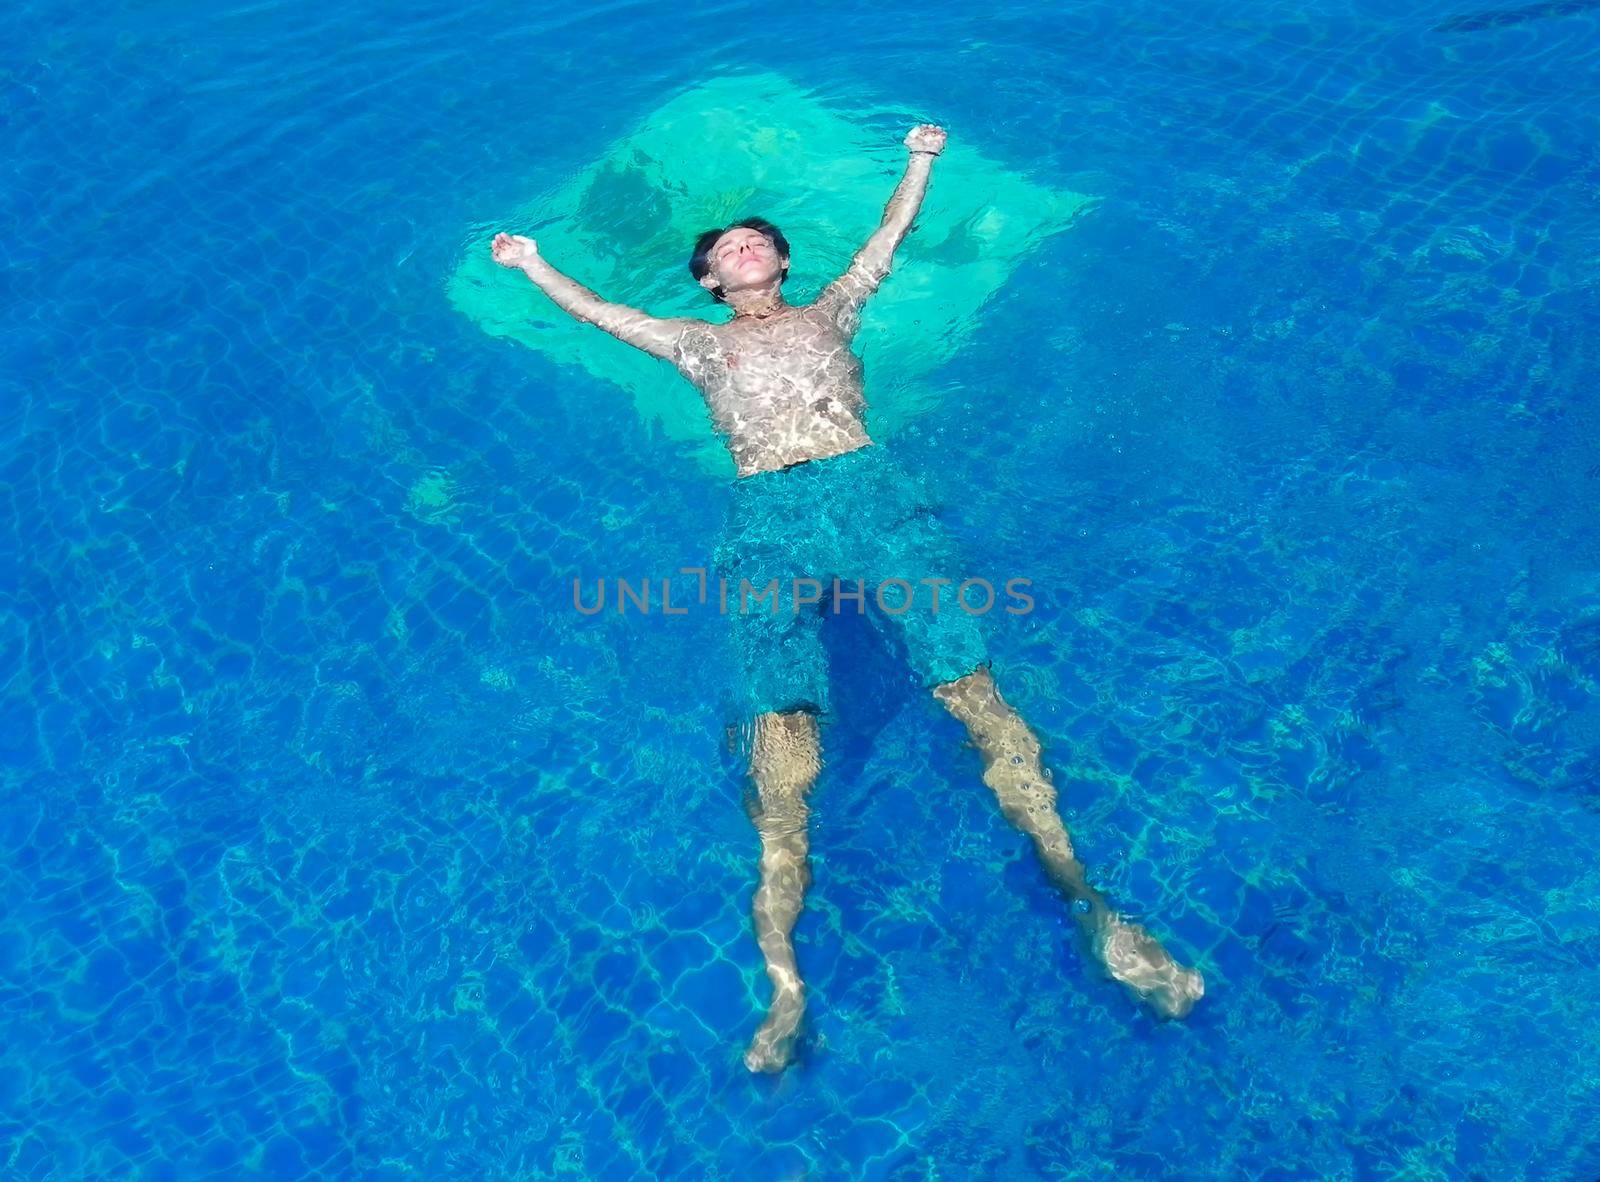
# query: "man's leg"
{"type": "Point", "coordinates": [785, 758]}
{"type": "Point", "coordinates": [1028, 799]}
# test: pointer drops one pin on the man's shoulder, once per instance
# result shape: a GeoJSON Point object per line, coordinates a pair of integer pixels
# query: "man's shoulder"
{"type": "Point", "coordinates": [681, 328]}
{"type": "Point", "coordinates": [835, 309]}
{"type": "Point", "coordinates": [693, 341]}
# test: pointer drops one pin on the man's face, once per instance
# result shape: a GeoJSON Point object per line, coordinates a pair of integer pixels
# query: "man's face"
{"type": "Point", "coordinates": [743, 259]}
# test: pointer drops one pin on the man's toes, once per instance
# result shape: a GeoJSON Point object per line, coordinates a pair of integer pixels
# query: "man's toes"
{"type": "Point", "coordinates": [773, 1045]}
{"type": "Point", "coordinates": [1187, 987]}
{"type": "Point", "coordinates": [1169, 988]}
{"type": "Point", "coordinates": [764, 1056]}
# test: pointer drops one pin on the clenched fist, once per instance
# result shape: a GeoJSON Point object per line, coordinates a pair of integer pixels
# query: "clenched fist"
{"type": "Point", "coordinates": [513, 250]}
{"type": "Point", "coordinates": [926, 137]}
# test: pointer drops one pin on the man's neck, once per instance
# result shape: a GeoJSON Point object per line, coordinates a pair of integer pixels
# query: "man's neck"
{"type": "Point", "coordinates": [758, 306]}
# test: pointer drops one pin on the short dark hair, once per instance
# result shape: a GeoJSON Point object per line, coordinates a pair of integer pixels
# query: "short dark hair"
{"type": "Point", "coordinates": [700, 260]}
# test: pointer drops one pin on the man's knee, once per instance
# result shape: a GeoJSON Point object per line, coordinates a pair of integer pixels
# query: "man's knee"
{"type": "Point", "coordinates": [786, 752]}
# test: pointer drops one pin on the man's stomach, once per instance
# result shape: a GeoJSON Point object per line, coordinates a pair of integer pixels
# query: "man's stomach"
{"type": "Point", "coordinates": [770, 451]}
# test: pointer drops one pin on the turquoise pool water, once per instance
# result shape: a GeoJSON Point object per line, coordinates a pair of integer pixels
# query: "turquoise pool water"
{"type": "Point", "coordinates": [336, 845]}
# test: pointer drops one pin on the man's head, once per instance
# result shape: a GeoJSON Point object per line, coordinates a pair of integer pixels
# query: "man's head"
{"type": "Point", "coordinates": [746, 256]}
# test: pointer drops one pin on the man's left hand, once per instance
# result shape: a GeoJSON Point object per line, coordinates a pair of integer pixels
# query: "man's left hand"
{"type": "Point", "coordinates": [926, 137]}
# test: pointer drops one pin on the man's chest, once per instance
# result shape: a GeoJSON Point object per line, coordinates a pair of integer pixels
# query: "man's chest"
{"type": "Point", "coordinates": [765, 360]}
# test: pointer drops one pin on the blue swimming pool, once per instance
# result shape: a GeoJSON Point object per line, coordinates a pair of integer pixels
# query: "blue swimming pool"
{"type": "Point", "coordinates": [336, 845]}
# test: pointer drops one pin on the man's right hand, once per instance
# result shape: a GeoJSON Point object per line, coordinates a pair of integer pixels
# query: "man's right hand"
{"type": "Point", "coordinates": [513, 250]}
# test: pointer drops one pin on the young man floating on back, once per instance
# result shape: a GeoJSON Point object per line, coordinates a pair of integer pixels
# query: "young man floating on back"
{"type": "Point", "coordinates": [816, 499]}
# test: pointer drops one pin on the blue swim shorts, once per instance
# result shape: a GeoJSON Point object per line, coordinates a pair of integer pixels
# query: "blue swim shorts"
{"type": "Point", "coordinates": [858, 518]}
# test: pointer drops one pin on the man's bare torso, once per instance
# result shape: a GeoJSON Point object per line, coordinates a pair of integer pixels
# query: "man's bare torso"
{"type": "Point", "coordinates": [781, 389]}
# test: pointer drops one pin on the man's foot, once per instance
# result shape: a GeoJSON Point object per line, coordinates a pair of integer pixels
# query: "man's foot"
{"type": "Point", "coordinates": [1135, 958]}
{"type": "Point", "coordinates": [772, 1049]}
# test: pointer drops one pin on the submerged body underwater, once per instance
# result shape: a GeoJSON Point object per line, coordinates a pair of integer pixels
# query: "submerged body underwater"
{"type": "Point", "coordinates": [1260, 344]}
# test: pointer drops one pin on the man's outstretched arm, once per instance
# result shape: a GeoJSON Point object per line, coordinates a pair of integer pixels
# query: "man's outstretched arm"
{"type": "Point", "coordinates": [656, 335]}
{"type": "Point", "coordinates": [873, 261]}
